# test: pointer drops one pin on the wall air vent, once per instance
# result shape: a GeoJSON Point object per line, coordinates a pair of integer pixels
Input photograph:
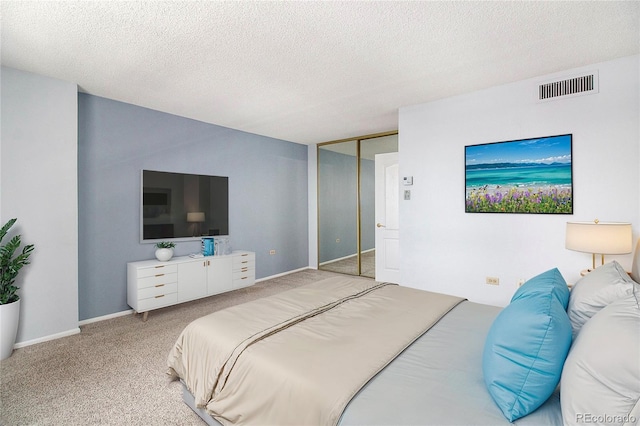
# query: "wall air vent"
{"type": "Point", "coordinates": [575, 86]}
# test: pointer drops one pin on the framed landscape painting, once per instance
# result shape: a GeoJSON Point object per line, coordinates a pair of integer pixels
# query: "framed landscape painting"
{"type": "Point", "coordinates": [520, 176]}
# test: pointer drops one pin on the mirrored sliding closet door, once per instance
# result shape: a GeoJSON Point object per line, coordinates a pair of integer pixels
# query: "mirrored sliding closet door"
{"type": "Point", "coordinates": [346, 203]}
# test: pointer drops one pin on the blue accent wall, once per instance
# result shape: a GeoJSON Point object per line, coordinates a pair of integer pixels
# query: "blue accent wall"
{"type": "Point", "coordinates": [267, 193]}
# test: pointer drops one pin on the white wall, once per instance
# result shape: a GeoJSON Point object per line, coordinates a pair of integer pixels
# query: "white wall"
{"type": "Point", "coordinates": [38, 171]}
{"type": "Point", "coordinates": [447, 250]}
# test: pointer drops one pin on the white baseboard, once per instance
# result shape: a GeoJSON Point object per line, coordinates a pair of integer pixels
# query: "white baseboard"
{"type": "Point", "coordinates": [105, 317]}
{"type": "Point", "coordinates": [283, 274]}
{"type": "Point", "coordinates": [130, 311]}
{"type": "Point", "coordinates": [338, 259]}
{"type": "Point", "coordinates": [346, 257]}
{"type": "Point", "coordinates": [47, 338]}
{"type": "Point", "coordinates": [115, 315]}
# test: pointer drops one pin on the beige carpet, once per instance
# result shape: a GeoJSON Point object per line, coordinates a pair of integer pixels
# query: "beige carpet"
{"type": "Point", "coordinates": [114, 371]}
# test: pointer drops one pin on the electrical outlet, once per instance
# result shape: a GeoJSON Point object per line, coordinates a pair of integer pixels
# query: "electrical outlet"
{"type": "Point", "coordinates": [407, 194]}
{"type": "Point", "coordinates": [493, 280]}
{"type": "Point", "coordinates": [272, 252]}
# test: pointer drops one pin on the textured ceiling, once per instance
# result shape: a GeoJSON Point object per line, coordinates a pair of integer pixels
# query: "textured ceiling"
{"type": "Point", "coordinates": [308, 71]}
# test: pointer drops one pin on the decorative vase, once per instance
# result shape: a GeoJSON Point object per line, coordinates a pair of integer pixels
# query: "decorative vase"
{"type": "Point", "coordinates": [9, 316]}
{"type": "Point", "coordinates": [164, 254]}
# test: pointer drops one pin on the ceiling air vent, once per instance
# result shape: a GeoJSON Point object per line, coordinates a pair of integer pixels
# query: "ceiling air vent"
{"type": "Point", "coordinates": [575, 86]}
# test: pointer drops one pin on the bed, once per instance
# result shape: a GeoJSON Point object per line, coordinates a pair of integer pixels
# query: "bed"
{"type": "Point", "coordinates": [350, 351]}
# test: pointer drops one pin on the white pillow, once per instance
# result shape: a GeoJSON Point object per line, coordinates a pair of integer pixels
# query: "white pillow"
{"type": "Point", "coordinates": [600, 380]}
{"type": "Point", "coordinates": [596, 290]}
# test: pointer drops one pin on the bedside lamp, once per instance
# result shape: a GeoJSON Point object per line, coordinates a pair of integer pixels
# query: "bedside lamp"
{"type": "Point", "coordinates": [196, 218]}
{"type": "Point", "coordinates": [599, 238]}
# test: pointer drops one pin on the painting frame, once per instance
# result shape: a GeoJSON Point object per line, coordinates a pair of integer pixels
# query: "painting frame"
{"type": "Point", "coordinates": [521, 176]}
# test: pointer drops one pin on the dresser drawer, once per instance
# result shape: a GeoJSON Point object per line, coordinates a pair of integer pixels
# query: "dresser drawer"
{"type": "Point", "coordinates": [243, 282]}
{"type": "Point", "coordinates": [157, 290]}
{"type": "Point", "coordinates": [240, 262]}
{"type": "Point", "coordinates": [157, 280]}
{"type": "Point", "coordinates": [244, 269]}
{"type": "Point", "coordinates": [155, 270]}
{"type": "Point", "coordinates": [157, 301]}
{"type": "Point", "coordinates": [245, 273]}
{"type": "Point", "coordinates": [244, 278]}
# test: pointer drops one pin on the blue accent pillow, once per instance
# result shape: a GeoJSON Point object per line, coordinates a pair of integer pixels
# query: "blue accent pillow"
{"type": "Point", "coordinates": [526, 348]}
{"type": "Point", "coordinates": [551, 281]}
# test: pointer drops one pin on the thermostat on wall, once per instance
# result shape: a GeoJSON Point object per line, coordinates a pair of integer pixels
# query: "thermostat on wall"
{"type": "Point", "coordinates": [407, 180]}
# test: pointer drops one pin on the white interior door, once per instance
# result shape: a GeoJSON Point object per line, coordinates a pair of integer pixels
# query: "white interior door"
{"type": "Point", "coordinates": [387, 206]}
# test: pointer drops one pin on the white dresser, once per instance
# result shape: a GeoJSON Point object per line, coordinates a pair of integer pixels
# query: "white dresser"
{"type": "Point", "coordinates": [244, 269]}
{"type": "Point", "coordinates": [152, 284]}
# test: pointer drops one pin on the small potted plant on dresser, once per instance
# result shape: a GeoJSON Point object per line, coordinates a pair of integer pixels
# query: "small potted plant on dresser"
{"type": "Point", "coordinates": [10, 265]}
{"type": "Point", "coordinates": [164, 250]}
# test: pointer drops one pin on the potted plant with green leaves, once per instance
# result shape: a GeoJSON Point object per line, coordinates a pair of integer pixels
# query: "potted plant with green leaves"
{"type": "Point", "coordinates": [11, 262]}
{"type": "Point", "coordinates": [164, 250]}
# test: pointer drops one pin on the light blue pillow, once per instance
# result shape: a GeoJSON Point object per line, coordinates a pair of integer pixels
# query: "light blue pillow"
{"type": "Point", "coordinates": [551, 281]}
{"type": "Point", "coordinates": [524, 353]}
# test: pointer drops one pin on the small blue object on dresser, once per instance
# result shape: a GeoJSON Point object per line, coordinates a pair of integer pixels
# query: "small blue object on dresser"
{"type": "Point", "coordinates": [207, 246]}
{"type": "Point", "coordinates": [527, 345]}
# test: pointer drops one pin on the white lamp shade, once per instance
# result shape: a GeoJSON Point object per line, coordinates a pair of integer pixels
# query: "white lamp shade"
{"type": "Point", "coordinates": [599, 238]}
{"type": "Point", "coordinates": [195, 217]}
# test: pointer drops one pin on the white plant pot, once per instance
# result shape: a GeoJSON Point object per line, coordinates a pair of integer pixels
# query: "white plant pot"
{"type": "Point", "coordinates": [164, 254]}
{"type": "Point", "coordinates": [9, 316]}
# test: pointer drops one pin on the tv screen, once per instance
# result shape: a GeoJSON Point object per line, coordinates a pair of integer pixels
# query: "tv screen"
{"type": "Point", "coordinates": [520, 176]}
{"type": "Point", "coordinates": [181, 205]}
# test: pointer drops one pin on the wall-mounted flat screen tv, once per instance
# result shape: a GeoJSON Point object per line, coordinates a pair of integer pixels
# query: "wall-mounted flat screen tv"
{"type": "Point", "coordinates": [183, 206]}
{"type": "Point", "coordinates": [520, 176]}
